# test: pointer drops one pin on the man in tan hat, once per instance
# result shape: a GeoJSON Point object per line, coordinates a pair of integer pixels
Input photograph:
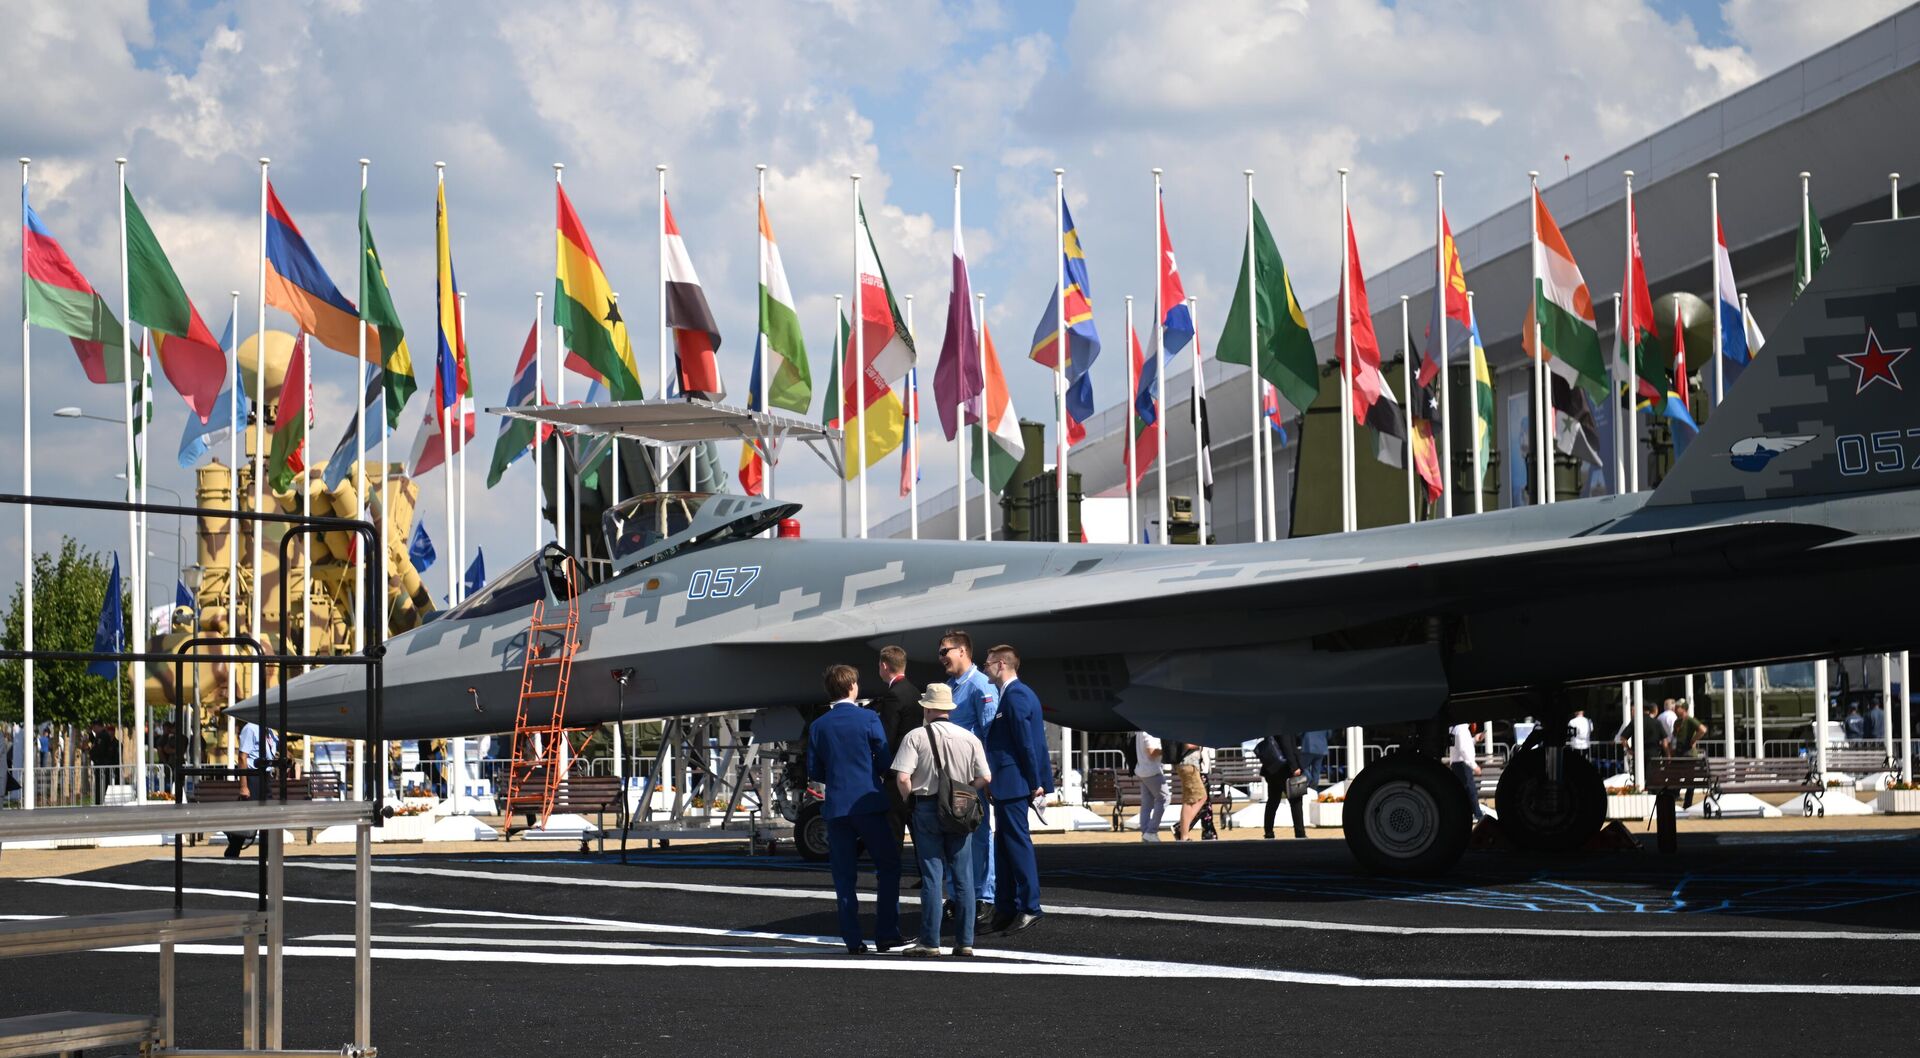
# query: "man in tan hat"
{"type": "Point", "coordinates": [932, 755]}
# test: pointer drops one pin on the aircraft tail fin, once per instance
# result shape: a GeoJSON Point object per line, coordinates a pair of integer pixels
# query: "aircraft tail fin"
{"type": "Point", "coordinates": [1823, 408]}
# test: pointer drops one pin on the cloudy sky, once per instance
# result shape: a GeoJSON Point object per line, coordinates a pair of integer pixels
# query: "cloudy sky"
{"type": "Point", "coordinates": [194, 92]}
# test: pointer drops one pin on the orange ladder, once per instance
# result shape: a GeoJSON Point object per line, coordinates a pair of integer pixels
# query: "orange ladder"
{"type": "Point", "coordinates": [534, 773]}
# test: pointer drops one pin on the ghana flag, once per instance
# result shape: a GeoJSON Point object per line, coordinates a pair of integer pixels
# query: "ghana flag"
{"type": "Point", "coordinates": [584, 307]}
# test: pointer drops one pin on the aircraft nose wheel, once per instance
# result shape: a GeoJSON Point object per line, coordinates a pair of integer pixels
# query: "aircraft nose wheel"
{"type": "Point", "coordinates": [1541, 814]}
{"type": "Point", "coordinates": [1406, 814]}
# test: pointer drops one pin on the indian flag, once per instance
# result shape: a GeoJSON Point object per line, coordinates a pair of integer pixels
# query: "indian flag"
{"type": "Point", "coordinates": [1004, 447]}
{"type": "Point", "coordinates": [791, 386]}
{"type": "Point", "coordinates": [584, 307]}
{"type": "Point", "coordinates": [1564, 309]}
{"type": "Point", "coordinates": [885, 418]}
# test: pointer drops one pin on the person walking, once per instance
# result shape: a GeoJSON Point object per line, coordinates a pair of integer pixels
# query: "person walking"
{"type": "Point", "coordinates": [258, 747]}
{"type": "Point", "coordinates": [1022, 774]}
{"type": "Point", "coordinates": [1580, 733]}
{"type": "Point", "coordinates": [847, 753]}
{"type": "Point", "coordinates": [1280, 768]}
{"type": "Point", "coordinates": [1150, 768]}
{"type": "Point", "coordinates": [1313, 756]}
{"type": "Point", "coordinates": [937, 757]}
{"type": "Point", "coordinates": [976, 701]}
{"type": "Point", "coordinates": [1465, 767]}
{"type": "Point", "coordinates": [1188, 771]}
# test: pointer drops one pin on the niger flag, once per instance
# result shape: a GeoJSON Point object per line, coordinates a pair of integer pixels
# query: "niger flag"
{"type": "Point", "coordinates": [584, 308]}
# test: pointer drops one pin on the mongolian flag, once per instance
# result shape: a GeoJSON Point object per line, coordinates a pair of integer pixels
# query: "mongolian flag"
{"type": "Point", "coordinates": [60, 298]}
{"type": "Point", "coordinates": [696, 338]}
{"type": "Point", "coordinates": [1083, 340]}
{"type": "Point", "coordinates": [190, 355]}
{"type": "Point", "coordinates": [299, 287]}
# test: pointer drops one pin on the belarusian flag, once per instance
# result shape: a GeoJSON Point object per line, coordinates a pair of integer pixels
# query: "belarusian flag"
{"type": "Point", "coordinates": [376, 307]}
{"type": "Point", "coordinates": [1004, 445]}
{"type": "Point", "coordinates": [287, 457]}
{"type": "Point", "coordinates": [1286, 355]}
{"type": "Point", "coordinates": [190, 355]}
{"type": "Point", "coordinates": [791, 386]}
{"type": "Point", "coordinates": [1636, 304]}
{"type": "Point", "coordinates": [1563, 309]}
{"type": "Point", "coordinates": [696, 338]}
{"type": "Point", "coordinates": [60, 298]}
{"type": "Point", "coordinates": [584, 308]}
{"type": "Point", "coordinates": [885, 418]}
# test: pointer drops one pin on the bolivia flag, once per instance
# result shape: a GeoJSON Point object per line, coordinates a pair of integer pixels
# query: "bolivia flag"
{"type": "Point", "coordinates": [60, 298]}
{"type": "Point", "coordinates": [1285, 355]}
{"type": "Point", "coordinates": [299, 287]}
{"type": "Point", "coordinates": [583, 306]}
{"type": "Point", "coordinates": [696, 338]}
{"type": "Point", "coordinates": [1563, 309]}
{"type": "Point", "coordinates": [791, 387]}
{"type": "Point", "coordinates": [516, 435]}
{"type": "Point", "coordinates": [287, 457]}
{"type": "Point", "coordinates": [1004, 444]}
{"type": "Point", "coordinates": [1146, 439]}
{"type": "Point", "coordinates": [376, 308]}
{"type": "Point", "coordinates": [189, 353]}
{"type": "Point", "coordinates": [885, 418]}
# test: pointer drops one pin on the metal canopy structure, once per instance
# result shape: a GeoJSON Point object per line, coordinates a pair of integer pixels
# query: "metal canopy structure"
{"type": "Point", "coordinates": [684, 422]}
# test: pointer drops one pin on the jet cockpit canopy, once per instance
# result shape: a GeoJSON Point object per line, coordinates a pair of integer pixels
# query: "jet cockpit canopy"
{"type": "Point", "coordinates": [658, 525]}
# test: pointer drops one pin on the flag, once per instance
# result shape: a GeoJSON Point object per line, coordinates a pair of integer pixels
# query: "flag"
{"type": "Point", "coordinates": [200, 436]}
{"type": "Point", "coordinates": [299, 287]}
{"type": "Point", "coordinates": [753, 470]}
{"type": "Point", "coordinates": [376, 308]}
{"type": "Point", "coordinates": [516, 435]}
{"type": "Point", "coordinates": [1482, 398]}
{"type": "Point", "coordinates": [1173, 330]}
{"type": "Point", "coordinates": [420, 548]}
{"type": "Point", "coordinates": [1810, 250]}
{"type": "Point", "coordinates": [1285, 355]}
{"type": "Point", "coordinates": [1639, 321]}
{"type": "Point", "coordinates": [889, 349]}
{"type": "Point", "coordinates": [190, 357]}
{"type": "Point", "coordinates": [476, 577]}
{"type": "Point", "coordinates": [791, 386]}
{"type": "Point", "coordinates": [1005, 447]}
{"type": "Point", "coordinates": [1146, 439]}
{"type": "Point", "coordinates": [109, 636]}
{"type": "Point", "coordinates": [831, 399]}
{"type": "Point", "coordinates": [1733, 331]}
{"type": "Point", "coordinates": [1197, 413]}
{"type": "Point", "coordinates": [1563, 310]}
{"type": "Point", "coordinates": [1754, 338]}
{"type": "Point", "coordinates": [1678, 384]}
{"type": "Point", "coordinates": [909, 459]}
{"type": "Point", "coordinates": [1353, 335]}
{"type": "Point", "coordinates": [1083, 340]}
{"type": "Point", "coordinates": [584, 308]}
{"type": "Point", "coordinates": [1271, 409]}
{"type": "Point", "coordinates": [957, 377]}
{"type": "Point", "coordinates": [885, 418]}
{"type": "Point", "coordinates": [696, 338]}
{"type": "Point", "coordinates": [428, 452]}
{"type": "Point", "coordinates": [1450, 299]}
{"type": "Point", "coordinates": [60, 298]}
{"type": "Point", "coordinates": [450, 381]}
{"type": "Point", "coordinates": [1423, 415]}
{"type": "Point", "coordinates": [141, 408]}
{"type": "Point", "coordinates": [182, 598]}
{"type": "Point", "coordinates": [346, 452]}
{"type": "Point", "coordinates": [288, 455]}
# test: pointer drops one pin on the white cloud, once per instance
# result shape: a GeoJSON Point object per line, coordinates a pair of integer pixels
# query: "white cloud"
{"type": "Point", "coordinates": [1778, 33]}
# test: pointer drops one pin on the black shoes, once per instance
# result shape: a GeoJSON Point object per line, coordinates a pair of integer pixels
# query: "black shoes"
{"type": "Point", "coordinates": [1269, 834]}
{"type": "Point", "coordinates": [889, 944]}
{"type": "Point", "coordinates": [1008, 925]}
{"type": "Point", "coordinates": [859, 949]}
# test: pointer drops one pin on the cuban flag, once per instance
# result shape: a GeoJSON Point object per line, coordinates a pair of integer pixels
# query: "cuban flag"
{"type": "Point", "coordinates": [1175, 329]}
{"type": "Point", "coordinates": [1733, 326]}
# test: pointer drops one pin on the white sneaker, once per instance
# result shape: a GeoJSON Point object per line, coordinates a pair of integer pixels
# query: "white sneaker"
{"type": "Point", "coordinates": [1151, 835]}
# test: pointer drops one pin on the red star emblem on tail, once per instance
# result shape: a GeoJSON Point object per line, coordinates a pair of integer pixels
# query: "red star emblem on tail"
{"type": "Point", "coordinates": [1875, 363]}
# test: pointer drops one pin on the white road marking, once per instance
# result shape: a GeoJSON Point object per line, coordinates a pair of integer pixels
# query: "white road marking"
{"type": "Point", "coordinates": [412, 870]}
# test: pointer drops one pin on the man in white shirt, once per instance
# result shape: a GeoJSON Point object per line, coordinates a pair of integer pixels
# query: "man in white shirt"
{"type": "Point", "coordinates": [935, 751]}
{"type": "Point", "coordinates": [1580, 732]}
{"type": "Point", "coordinates": [1151, 771]}
{"type": "Point", "coordinates": [1667, 718]}
{"type": "Point", "coordinates": [247, 757]}
{"type": "Point", "coordinates": [1465, 768]}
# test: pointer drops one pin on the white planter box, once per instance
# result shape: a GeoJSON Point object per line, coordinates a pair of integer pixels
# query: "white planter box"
{"type": "Point", "coordinates": [1325, 813]}
{"type": "Point", "coordinates": [1629, 806]}
{"type": "Point", "coordinates": [1897, 802]}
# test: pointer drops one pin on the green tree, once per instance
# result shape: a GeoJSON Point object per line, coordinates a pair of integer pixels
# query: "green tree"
{"type": "Point", "coordinates": [68, 590]}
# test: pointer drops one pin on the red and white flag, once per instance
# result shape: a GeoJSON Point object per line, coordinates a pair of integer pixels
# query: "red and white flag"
{"type": "Point", "coordinates": [696, 338]}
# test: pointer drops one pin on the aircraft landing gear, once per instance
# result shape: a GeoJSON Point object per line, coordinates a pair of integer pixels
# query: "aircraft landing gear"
{"type": "Point", "coordinates": [1406, 814]}
{"type": "Point", "coordinates": [810, 833]}
{"type": "Point", "coordinates": [1550, 808]}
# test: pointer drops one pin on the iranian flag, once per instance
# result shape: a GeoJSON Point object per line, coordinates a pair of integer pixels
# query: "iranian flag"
{"type": "Point", "coordinates": [1563, 309]}
{"type": "Point", "coordinates": [1004, 447]}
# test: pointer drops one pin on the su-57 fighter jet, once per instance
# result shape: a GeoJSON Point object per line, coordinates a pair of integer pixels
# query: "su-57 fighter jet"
{"type": "Point", "coordinates": [1788, 530]}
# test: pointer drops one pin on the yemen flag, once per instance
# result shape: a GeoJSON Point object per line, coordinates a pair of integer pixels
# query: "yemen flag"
{"type": "Point", "coordinates": [1004, 444]}
{"type": "Point", "coordinates": [190, 355]}
{"type": "Point", "coordinates": [884, 419]}
{"type": "Point", "coordinates": [376, 308]}
{"type": "Point", "coordinates": [583, 306]}
{"type": "Point", "coordinates": [516, 435]}
{"type": "Point", "coordinates": [791, 387]}
{"type": "Point", "coordinates": [696, 338]}
{"type": "Point", "coordinates": [1285, 356]}
{"type": "Point", "coordinates": [1146, 439]}
{"type": "Point", "coordinates": [299, 287]}
{"type": "Point", "coordinates": [287, 456]}
{"type": "Point", "coordinates": [1563, 310]}
{"type": "Point", "coordinates": [61, 299]}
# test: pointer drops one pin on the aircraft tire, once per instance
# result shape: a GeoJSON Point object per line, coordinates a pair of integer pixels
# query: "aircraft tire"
{"type": "Point", "coordinates": [1407, 815]}
{"type": "Point", "coordinates": [1538, 822]}
{"type": "Point", "coordinates": [810, 833]}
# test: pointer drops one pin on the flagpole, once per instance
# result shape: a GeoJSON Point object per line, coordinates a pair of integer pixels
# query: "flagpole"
{"type": "Point", "coordinates": [358, 594]}
{"type": "Point", "coordinates": [986, 452]}
{"type": "Point", "coordinates": [1479, 477]}
{"type": "Point", "coordinates": [840, 396]}
{"type": "Point", "coordinates": [562, 471]}
{"type": "Point", "coordinates": [1444, 448]}
{"type": "Point", "coordinates": [1406, 366]}
{"type": "Point", "coordinates": [1893, 180]}
{"type": "Point", "coordinates": [140, 687]}
{"type": "Point", "coordinates": [1542, 486]}
{"type": "Point", "coordinates": [1613, 394]}
{"type": "Point", "coordinates": [233, 499]}
{"type": "Point", "coordinates": [766, 363]}
{"type": "Point", "coordinates": [539, 400]}
{"type": "Point", "coordinates": [460, 433]}
{"type": "Point", "coordinates": [1253, 381]}
{"type": "Point", "coordinates": [136, 670]}
{"type": "Point", "coordinates": [911, 455]}
{"type": "Point", "coordinates": [1806, 230]}
{"type": "Point", "coordinates": [446, 444]}
{"type": "Point", "coordinates": [27, 729]}
{"type": "Point", "coordinates": [1060, 342]}
{"type": "Point", "coordinates": [961, 437]}
{"type": "Point", "coordinates": [1349, 510]}
{"type": "Point", "coordinates": [306, 496]}
{"type": "Point", "coordinates": [1160, 359]}
{"type": "Point", "coordinates": [1633, 358]}
{"type": "Point", "coordinates": [1201, 464]}
{"type": "Point", "coordinates": [1713, 200]}
{"type": "Point", "coordinates": [859, 363]}
{"type": "Point", "coordinates": [1133, 452]}
{"type": "Point", "coordinates": [660, 174]}
{"type": "Point", "coordinates": [385, 523]}
{"type": "Point", "coordinates": [259, 682]}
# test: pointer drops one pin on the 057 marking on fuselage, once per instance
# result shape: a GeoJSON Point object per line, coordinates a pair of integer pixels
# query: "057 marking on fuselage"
{"type": "Point", "coordinates": [719, 583]}
{"type": "Point", "coordinates": [1880, 452]}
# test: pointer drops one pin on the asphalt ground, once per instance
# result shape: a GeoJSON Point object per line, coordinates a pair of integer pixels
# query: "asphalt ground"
{"type": "Point", "coordinates": [1741, 944]}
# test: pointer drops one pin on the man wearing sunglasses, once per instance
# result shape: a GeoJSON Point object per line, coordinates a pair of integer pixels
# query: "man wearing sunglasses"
{"type": "Point", "coordinates": [975, 703]}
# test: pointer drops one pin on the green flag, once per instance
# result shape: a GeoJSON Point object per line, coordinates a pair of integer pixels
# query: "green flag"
{"type": "Point", "coordinates": [829, 401]}
{"type": "Point", "coordinates": [376, 307]}
{"type": "Point", "coordinates": [1810, 250]}
{"type": "Point", "coordinates": [1287, 358]}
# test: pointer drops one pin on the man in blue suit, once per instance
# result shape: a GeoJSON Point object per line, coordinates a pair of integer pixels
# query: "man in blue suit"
{"type": "Point", "coordinates": [975, 703]}
{"type": "Point", "coordinates": [1017, 757]}
{"type": "Point", "coordinates": [847, 752]}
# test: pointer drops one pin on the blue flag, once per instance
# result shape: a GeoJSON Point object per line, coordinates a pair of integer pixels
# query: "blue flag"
{"type": "Point", "coordinates": [344, 456]}
{"type": "Point", "coordinates": [182, 597]}
{"type": "Point", "coordinates": [231, 406]}
{"type": "Point", "coordinates": [420, 548]}
{"type": "Point", "coordinates": [476, 573]}
{"type": "Point", "coordinates": [109, 637]}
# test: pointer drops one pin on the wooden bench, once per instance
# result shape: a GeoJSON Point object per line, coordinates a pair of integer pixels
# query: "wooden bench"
{"type": "Point", "coordinates": [1125, 793]}
{"type": "Point", "coordinates": [1489, 778]}
{"type": "Point", "coordinates": [1101, 784]}
{"type": "Point", "coordinates": [1860, 761]}
{"type": "Point", "coordinates": [1715, 778]}
{"type": "Point", "coordinates": [581, 795]}
{"type": "Point", "coordinates": [318, 786]}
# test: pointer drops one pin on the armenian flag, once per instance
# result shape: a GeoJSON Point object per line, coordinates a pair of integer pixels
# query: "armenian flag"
{"type": "Point", "coordinates": [299, 287]}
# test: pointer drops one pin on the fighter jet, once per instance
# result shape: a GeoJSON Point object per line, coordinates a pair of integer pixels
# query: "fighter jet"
{"type": "Point", "coordinates": [1736, 559]}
